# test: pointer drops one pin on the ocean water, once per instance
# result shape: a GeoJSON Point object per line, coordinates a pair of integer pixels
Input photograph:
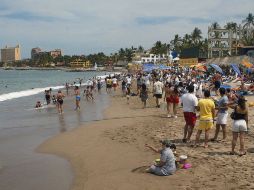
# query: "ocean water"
{"type": "Point", "coordinates": [23, 128]}
{"type": "Point", "coordinates": [16, 83]}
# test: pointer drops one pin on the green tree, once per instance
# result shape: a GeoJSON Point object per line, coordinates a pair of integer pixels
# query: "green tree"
{"type": "Point", "coordinates": [248, 30]}
{"type": "Point", "coordinates": [159, 48]}
{"type": "Point", "coordinates": [196, 36]}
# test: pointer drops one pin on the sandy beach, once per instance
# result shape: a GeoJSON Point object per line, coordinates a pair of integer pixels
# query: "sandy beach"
{"type": "Point", "coordinates": [110, 153]}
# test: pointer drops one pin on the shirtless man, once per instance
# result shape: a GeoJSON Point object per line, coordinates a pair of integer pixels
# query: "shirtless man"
{"type": "Point", "coordinates": [59, 97]}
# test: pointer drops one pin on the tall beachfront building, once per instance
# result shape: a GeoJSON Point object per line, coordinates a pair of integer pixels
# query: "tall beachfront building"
{"type": "Point", "coordinates": [9, 54]}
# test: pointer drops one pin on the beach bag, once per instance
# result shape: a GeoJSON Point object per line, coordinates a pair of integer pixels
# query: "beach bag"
{"type": "Point", "coordinates": [233, 114]}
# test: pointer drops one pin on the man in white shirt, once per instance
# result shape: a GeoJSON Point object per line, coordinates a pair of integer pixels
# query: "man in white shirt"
{"type": "Point", "coordinates": [128, 79]}
{"type": "Point", "coordinates": [190, 103]}
{"type": "Point", "coordinates": [158, 90]}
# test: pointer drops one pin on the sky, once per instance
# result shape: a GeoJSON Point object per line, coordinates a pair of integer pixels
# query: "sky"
{"type": "Point", "coordinates": [82, 27]}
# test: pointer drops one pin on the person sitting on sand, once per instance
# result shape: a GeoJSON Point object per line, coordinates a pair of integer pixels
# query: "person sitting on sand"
{"type": "Point", "coordinates": [167, 165]}
{"type": "Point", "coordinates": [38, 104]}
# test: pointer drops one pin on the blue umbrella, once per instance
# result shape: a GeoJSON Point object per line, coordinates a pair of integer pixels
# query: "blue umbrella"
{"type": "Point", "coordinates": [236, 69]}
{"type": "Point", "coordinates": [217, 68]}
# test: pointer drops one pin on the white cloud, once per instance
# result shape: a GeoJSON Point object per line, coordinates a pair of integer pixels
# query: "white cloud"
{"type": "Point", "coordinates": [90, 26]}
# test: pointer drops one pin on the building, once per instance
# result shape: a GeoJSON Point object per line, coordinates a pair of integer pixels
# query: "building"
{"type": "Point", "coordinates": [78, 63]}
{"type": "Point", "coordinates": [222, 42]}
{"type": "Point", "coordinates": [152, 58]}
{"type": "Point", "coordinates": [10, 54]}
{"type": "Point", "coordinates": [55, 53]}
{"type": "Point", "coordinates": [35, 52]}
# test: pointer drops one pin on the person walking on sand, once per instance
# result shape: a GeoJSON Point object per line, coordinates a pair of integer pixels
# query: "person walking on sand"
{"type": "Point", "coordinates": [167, 165]}
{"type": "Point", "coordinates": [168, 93]}
{"type": "Point", "coordinates": [206, 108]}
{"type": "Point", "coordinates": [190, 103]}
{"type": "Point", "coordinates": [240, 125]}
{"type": "Point", "coordinates": [158, 90]}
{"type": "Point", "coordinates": [143, 95]}
{"type": "Point", "coordinates": [222, 114]}
{"type": "Point", "coordinates": [77, 96]}
{"type": "Point", "coordinates": [59, 98]}
{"type": "Point", "coordinates": [174, 99]}
{"type": "Point", "coordinates": [114, 82]}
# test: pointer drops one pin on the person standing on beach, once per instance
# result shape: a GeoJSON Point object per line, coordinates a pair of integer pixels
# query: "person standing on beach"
{"type": "Point", "coordinates": [222, 114]}
{"type": "Point", "coordinates": [190, 103]}
{"type": "Point", "coordinates": [124, 87]}
{"type": "Point", "coordinates": [168, 93]}
{"type": "Point", "coordinates": [77, 97]}
{"type": "Point", "coordinates": [240, 125]}
{"type": "Point", "coordinates": [206, 108]}
{"type": "Point", "coordinates": [114, 81]}
{"type": "Point", "coordinates": [174, 99]}
{"type": "Point", "coordinates": [59, 97]}
{"type": "Point", "coordinates": [99, 84]}
{"type": "Point", "coordinates": [157, 91]}
{"type": "Point", "coordinates": [47, 96]}
{"type": "Point", "coordinates": [143, 95]}
{"type": "Point", "coordinates": [67, 86]}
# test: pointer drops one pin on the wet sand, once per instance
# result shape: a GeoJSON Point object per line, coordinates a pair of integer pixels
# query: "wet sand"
{"type": "Point", "coordinates": [23, 130]}
{"type": "Point", "coordinates": [110, 154]}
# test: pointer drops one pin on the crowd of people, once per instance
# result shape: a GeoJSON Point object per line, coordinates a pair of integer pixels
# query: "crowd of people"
{"type": "Point", "coordinates": [200, 94]}
{"type": "Point", "coordinates": [202, 97]}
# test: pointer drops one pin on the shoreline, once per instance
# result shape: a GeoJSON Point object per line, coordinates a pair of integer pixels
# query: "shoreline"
{"type": "Point", "coordinates": [66, 69]}
{"type": "Point", "coordinates": [112, 152]}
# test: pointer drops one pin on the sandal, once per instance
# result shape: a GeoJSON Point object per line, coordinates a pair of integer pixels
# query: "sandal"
{"type": "Point", "coordinates": [232, 153]}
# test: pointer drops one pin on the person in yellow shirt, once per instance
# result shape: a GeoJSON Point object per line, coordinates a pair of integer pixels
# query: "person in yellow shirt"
{"type": "Point", "coordinates": [206, 108]}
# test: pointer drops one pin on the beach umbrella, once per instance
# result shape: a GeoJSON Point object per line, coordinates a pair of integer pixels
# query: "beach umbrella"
{"type": "Point", "coordinates": [217, 68]}
{"type": "Point", "coordinates": [236, 69]}
{"type": "Point", "coordinates": [246, 63]}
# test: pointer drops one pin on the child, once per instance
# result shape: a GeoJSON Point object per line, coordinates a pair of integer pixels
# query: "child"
{"type": "Point", "coordinates": [38, 104]}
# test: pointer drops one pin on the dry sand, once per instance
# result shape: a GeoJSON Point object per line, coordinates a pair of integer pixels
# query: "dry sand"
{"type": "Point", "coordinates": [110, 154]}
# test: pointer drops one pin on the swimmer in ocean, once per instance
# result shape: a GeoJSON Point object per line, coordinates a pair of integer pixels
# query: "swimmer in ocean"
{"type": "Point", "coordinates": [38, 104]}
{"type": "Point", "coordinates": [77, 96]}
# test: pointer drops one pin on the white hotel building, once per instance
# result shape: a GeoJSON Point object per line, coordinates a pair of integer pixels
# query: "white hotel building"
{"type": "Point", "coordinates": [152, 58]}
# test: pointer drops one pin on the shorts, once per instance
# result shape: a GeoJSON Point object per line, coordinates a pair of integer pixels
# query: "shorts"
{"type": "Point", "coordinates": [109, 86]}
{"type": "Point", "coordinates": [205, 125]}
{"type": "Point", "coordinates": [217, 84]}
{"type": "Point", "coordinates": [78, 98]}
{"type": "Point", "coordinates": [239, 126]}
{"type": "Point", "coordinates": [190, 118]}
{"type": "Point", "coordinates": [114, 85]}
{"type": "Point", "coordinates": [158, 95]}
{"type": "Point", "coordinates": [168, 100]}
{"type": "Point", "coordinates": [60, 101]}
{"type": "Point", "coordinates": [174, 99]}
{"type": "Point", "coordinates": [222, 118]}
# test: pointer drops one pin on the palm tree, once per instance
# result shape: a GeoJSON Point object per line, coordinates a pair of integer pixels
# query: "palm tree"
{"type": "Point", "coordinates": [231, 26]}
{"type": "Point", "coordinates": [140, 49]}
{"type": "Point", "coordinates": [248, 21]}
{"type": "Point", "coordinates": [196, 35]}
{"type": "Point", "coordinates": [248, 30]}
{"type": "Point", "coordinates": [176, 43]}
